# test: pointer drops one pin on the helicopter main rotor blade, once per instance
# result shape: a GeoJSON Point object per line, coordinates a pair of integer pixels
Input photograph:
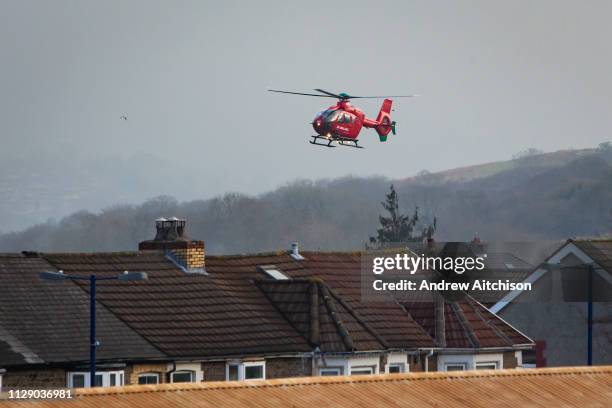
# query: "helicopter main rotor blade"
{"type": "Point", "coordinates": [299, 93]}
{"type": "Point", "coordinates": [329, 93]}
{"type": "Point", "coordinates": [381, 97]}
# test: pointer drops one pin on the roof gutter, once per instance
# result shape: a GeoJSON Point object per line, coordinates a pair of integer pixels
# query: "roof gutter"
{"type": "Point", "coordinates": [452, 350]}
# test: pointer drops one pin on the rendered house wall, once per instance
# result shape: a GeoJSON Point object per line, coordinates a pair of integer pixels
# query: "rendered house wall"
{"type": "Point", "coordinates": [564, 328]}
{"type": "Point", "coordinates": [543, 315]}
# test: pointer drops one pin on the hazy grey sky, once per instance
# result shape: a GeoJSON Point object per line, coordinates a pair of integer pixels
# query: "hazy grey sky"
{"type": "Point", "coordinates": [495, 77]}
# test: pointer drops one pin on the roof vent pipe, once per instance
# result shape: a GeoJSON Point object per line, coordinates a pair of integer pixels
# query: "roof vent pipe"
{"type": "Point", "coordinates": [295, 252]}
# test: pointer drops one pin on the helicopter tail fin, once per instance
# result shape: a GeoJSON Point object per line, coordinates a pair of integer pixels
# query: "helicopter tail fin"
{"type": "Point", "coordinates": [385, 125]}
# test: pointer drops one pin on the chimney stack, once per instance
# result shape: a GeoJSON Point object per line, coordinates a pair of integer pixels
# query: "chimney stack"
{"type": "Point", "coordinates": [171, 239]}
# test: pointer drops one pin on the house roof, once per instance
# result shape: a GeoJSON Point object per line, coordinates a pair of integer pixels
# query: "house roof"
{"type": "Point", "coordinates": [468, 325]}
{"type": "Point", "coordinates": [233, 310]}
{"type": "Point", "coordinates": [598, 251]}
{"type": "Point", "coordinates": [503, 261]}
{"type": "Point", "coordinates": [48, 322]}
{"type": "Point", "coordinates": [341, 271]}
{"type": "Point", "coordinates": [187, 315]}
{"type": "Point", "coordinates": [321, 316]}
{"type": "Point", "coordinates": [391, 319]}
{"type": "Point", "coordinates": [543, 387]}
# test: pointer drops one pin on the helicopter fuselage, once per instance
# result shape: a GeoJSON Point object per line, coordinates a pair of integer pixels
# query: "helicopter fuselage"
{"type": "Point", "coordinates": [341, 121]}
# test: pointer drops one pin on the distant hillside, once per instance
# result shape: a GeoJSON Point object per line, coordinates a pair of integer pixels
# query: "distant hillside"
{"type": "Point", "coordinates": [541, 160]}
{"type": "Point", "coordinates": [544, 196]}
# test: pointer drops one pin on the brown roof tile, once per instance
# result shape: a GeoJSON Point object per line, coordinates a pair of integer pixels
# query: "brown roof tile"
{"type": "Point", "coordinates": [49, 321]}
{"type": "Point", "coordinates": [232, 310]}
{"type": "Point", "coordinates": [187, 315]}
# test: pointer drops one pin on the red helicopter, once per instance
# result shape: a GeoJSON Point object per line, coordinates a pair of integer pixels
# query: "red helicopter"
{"type": "Point", "coordinates": [342, 122]}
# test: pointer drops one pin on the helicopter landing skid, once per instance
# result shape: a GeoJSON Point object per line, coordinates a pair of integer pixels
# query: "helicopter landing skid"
{"type": "Point", "coordinates": [327, 141]}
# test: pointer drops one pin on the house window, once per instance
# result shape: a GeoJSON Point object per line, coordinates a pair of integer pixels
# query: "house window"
{"type": "Point", "coordinates": [233, 372]}
{"type": "Point", "coordinates": [489, 365]}
{"type": "Point", "coordinates": [254, 371]}
{"type": "Point", "coordinates": [102, 379]}
{"type": "Point", "coordinates": [77, 381]}
{"type": "Point", "coordinates": [396, 368]}
{"type": "Point", "coordinates": [529, 359]}
{"type": "Point", "coordinates": [330, 371]}
{"type": "Point", "coordinates": [362, 370]}
{"type": "Point", "coordinates": [148, 378]}
{"type": "Point", "coordinates": [251, 370]}
{"type": "Point", "coordinates": [183, 376]}
{"type": "Point", "coordinates": [455, 367]}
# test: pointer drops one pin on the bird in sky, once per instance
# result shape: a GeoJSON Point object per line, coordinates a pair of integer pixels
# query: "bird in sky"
{"type": "Point", "coordinates": [123, 117]}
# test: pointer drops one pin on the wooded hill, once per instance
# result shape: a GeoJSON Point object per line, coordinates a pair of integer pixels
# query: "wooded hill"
{"type": "Point", "coordinates": [539, 196]}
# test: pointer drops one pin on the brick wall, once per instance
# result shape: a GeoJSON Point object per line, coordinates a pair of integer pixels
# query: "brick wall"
{"type": "Point", "coordinates": [214, 371]}
{"type": "Point", "coordinates": [132, 372]}
{"type": "Point", "coordinates": [42, 378]}
{"type": "Point", "coordinates": [192, 257]}
{"type": "Point", "coordinates": [288, 367]}
{"type": "Point", "coordinates": [510, 360]}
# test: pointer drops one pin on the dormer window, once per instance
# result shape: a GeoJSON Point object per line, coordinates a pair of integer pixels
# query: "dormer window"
{"type": "Point", "coordinates": [273, 272]}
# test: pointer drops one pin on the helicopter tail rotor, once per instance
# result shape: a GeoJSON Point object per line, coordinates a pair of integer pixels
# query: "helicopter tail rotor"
{"type": "Point", "coordinates": [385, 125]}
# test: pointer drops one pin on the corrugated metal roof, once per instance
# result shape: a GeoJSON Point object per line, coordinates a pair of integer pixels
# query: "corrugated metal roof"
{"type": "Point", "coordinates": [553, 387]}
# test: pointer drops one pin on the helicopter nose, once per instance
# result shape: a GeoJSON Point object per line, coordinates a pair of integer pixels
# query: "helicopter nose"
{"type": "Point", "coordinates": [317, 124]}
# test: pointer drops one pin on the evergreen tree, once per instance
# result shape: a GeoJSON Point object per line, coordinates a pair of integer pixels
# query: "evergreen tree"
{"type": "Point", "coordinates": [397, 227]}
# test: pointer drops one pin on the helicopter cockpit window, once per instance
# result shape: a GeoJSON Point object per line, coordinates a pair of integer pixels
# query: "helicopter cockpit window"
{"type": "Point", "coordinates": [326, 115]}
{"type": "Point", "coordinates": [333, 116]}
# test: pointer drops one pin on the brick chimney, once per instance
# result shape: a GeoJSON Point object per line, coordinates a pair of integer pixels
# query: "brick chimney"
{"type": "Point", "coordinates": [172, 240]}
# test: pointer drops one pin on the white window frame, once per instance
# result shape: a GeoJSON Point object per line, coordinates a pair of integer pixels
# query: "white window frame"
{"type": "Point", "coordinates": [371, 370]}
{"type": "Point", "coordinates": [335, 370]}
{"type": "Point", "coordinates": [402, 367]}
{"type": "Point", "coordinates": [261, 364]}
{"type": "Point", "coordinates": [105, 378]}
{"type": "Point", "coordinates": [479, 365]}
{"type": "Point", "coordinates": [242, 365]}
{"type": "Point", "coordinates": [227, 370]}
{"type": "Point", "coordinates": [191, 372]}
{"type": "Point", "coordinates": [149, 374]}
{"type": "Point", "coordinates": [463, 365]}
